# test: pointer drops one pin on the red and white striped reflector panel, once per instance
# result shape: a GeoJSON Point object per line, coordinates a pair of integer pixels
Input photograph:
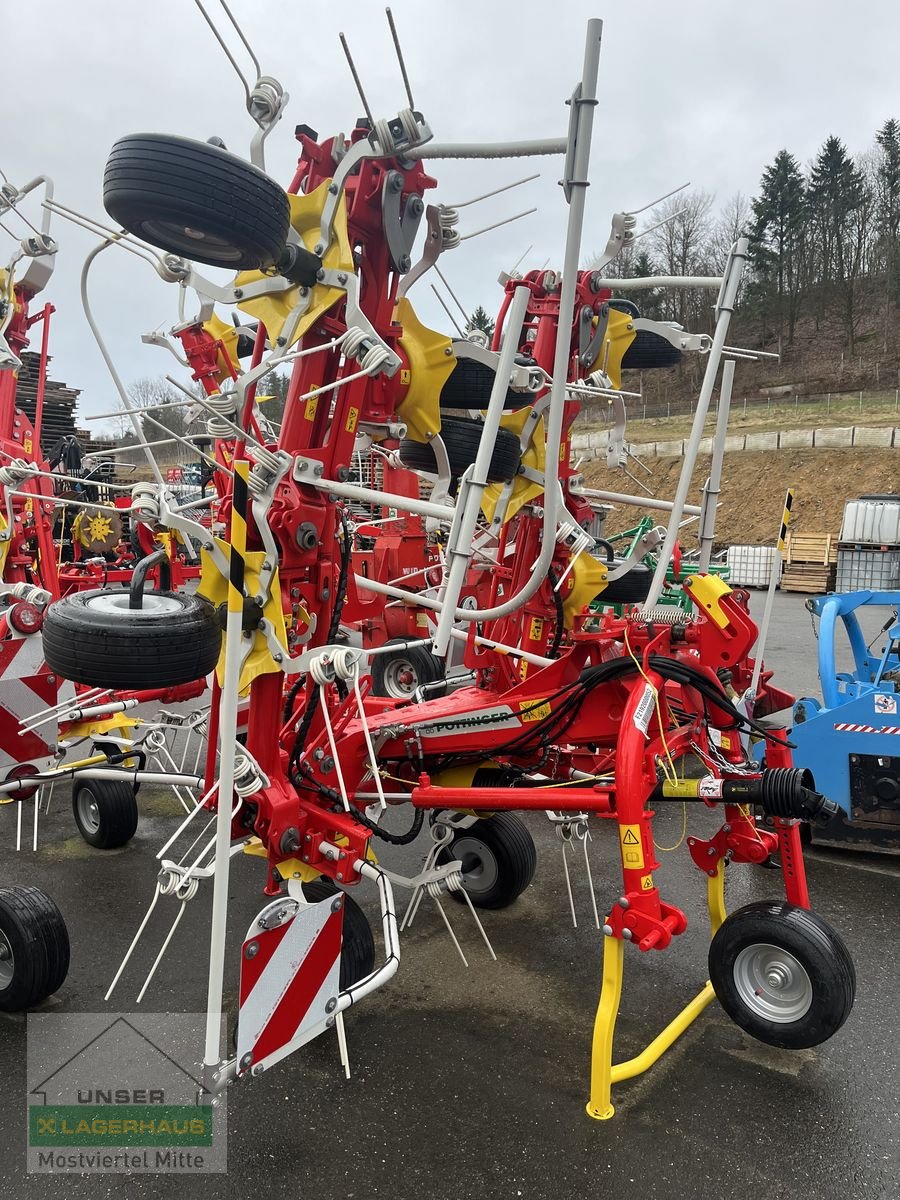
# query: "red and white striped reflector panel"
{"type": "Point", "coordinates": [289, 973]}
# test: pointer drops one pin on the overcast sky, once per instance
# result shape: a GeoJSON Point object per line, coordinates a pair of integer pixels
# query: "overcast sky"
{"type": "Point", "coordinates": [706, 91]}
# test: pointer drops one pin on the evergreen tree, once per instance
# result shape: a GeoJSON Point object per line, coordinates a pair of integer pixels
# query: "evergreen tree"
{"type": "Point", "coordinates": [480, 320]}
{"type": "Point", "coordinates": [777, 242]}
{"type": "Point", "coordinates": [887, 201]}
{"type": "Point", "coordinates": [839, 208]}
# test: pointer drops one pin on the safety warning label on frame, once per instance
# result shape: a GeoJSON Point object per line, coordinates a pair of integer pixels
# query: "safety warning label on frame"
{"type": "Point", "coordinates": [632, 848]}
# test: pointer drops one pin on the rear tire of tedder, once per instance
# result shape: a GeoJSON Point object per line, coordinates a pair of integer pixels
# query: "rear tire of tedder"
{"type": "Point", "coordinates": [106, 812]}
{"type": "Point", "coordinates": [196, 200]}
{"type": "Point", "coordinates": [34, 948]}
{"type": "Point", "coordinates": [399, 674]}
{"type": "Point", "coordinates": [498, 858]}
{"type": "Point", "coordinates": [461, 439]}
{"type": "Point", "coordinates": [358, 946]}
{"type": "Point", "coordinates": [782, 974]}
{"type": "Point", "coordinates": [95, 638]}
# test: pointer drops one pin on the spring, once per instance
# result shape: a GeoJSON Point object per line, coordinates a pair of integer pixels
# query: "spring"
{"type": "Point", "coordinates": [174, 883]}
{"type": "Point", "coordinates": [450, 883]}
{"type": "Point", "coordinates": [246, 777]}
{"type": "Point", "coordinates": [665, 614]}
{"type": "Point", "coordinates": [448, 219]}
{"type": "Point", "coordinates": [225, 404]}
{"type": "Point", "coordinates": [18, 470]}
{"type": "Point", "coordinates": [572, 535]}
{"type": "Point", "coordinates": [30, 594]}
{"type": "Point", "coordinates": [598, 379]}
{"type": "Point", "coordinates": [265, 469]}
{"type": "Point", "coordinates": [354, 341]}
{"type": "Point", "coordinates": [145, 501]}
{"type": "Point", "coordinates": [342, 663]}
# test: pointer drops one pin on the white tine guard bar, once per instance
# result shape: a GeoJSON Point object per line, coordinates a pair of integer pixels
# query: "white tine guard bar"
{"type": "Point", "coordinates": [724, 308]}
{"type": "Point", "coordinates": [711, 491]}
{"type": "Point", "coordinates": [460, 546]}
{"type": "Point", "coordinates": [526, 149]}
{"type": "Point", "coordinates": [664, 281]}
{"type": "Point", "coordinates": [388, 969]}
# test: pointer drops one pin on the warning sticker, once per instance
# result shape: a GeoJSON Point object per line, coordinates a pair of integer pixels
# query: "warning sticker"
{"type": "Point", "coordinates": [632, 850]}
{"type": "Point", "coordinates": [312, 404]}
{"type": "Point", "coordinates": [406, 377]}
{"type": "Point", "coordinates": [352, 418]}
{"type": "Point", "coordinates": [536, 629]}
{"type": "Point", "coordinates": [709, 788]}
{"type": "Point", "coordinates": [535, 710]}
{"type": "Point", "coordinates": [646, 883]}
{"type": "Point", "coordinates": [885, 704]}
{"type": "Point", "coordinates": [644, 710]}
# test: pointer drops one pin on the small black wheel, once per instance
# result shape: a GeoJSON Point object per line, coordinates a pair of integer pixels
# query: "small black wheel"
{"type": "Point", "coordinates": [34, 948]}
{"type": "Point", "coordinates": [498, 859]}
{"type": "Point", "coordinates": [461, 438]}
{"type": "Point", "coordinates": [358, 947]}
{"type": "Point", "coordinates": [196, 200]}
{"type": "Point", "coordinates": [470, 383]}
{"type": "Point", "coordinates": [650, 352]}
{"type": "Point", "coordinates": [95, 638]}
{"type": "Point", "coordinates": [106, 811]}
{"type": "Point", "coordinates": [399, 673]}
{"type": "Point", "coordinates": [782, 974]}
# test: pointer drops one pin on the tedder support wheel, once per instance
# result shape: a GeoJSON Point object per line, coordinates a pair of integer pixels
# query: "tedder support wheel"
{"type": "Point", "coordinates": [650, 352]}
{"type": "Point", "coordinates": [106, 811]}
{"type": "Point", "coordinates": [399, 673]}
{"type": "Point", "coordinates": [196, 200]}
{"type": "Point", "coordinates": [95, 638]}
{"type": "Point", "coordinates": [470, 383]}
{"type": "Point", "coordinates": [782, 974]}
{"type": "Point", "coordinates": [498, 859]}
{"type": "Point", "coordinates": [461, 438]}
{"type": "Point", "coordinates": [34, 948]}
{"type": "Point", "coordinates": [358, 947]}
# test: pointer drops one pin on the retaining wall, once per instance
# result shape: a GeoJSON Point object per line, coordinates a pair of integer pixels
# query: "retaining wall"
{"type": "Point", "coordinates": [593, 445]}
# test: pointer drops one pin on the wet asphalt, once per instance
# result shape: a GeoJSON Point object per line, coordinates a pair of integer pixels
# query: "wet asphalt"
{"type": "Point", "coordinates": [472, 1081]}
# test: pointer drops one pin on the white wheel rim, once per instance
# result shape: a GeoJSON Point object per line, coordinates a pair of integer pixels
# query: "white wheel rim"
{"type": "Point", "coordinates": [7, 962]}
{"type": "Point", "coordinates": [400, 679]}
{"type": "Point", "coordinates": [772, 983]}
{"type": "Point", "coordinates": [116, 603]}
{"type": "Point", "coordinates": [88, 810]}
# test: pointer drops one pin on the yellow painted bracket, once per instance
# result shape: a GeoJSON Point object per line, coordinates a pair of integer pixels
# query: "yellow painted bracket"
{"type": "Point", "coordinates": [604, 1073]}
{"type": "Point", "coordinates": [707, 591]}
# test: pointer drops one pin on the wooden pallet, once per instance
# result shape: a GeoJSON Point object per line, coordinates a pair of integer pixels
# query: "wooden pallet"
{"type": "Point", "coordinates": [813, 579]}
{"type": "Point", "coordinates": [819, 548]}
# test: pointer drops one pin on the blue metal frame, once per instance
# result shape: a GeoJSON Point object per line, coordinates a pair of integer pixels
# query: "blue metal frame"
{"type": "Point", "coordinates": [849, 698]}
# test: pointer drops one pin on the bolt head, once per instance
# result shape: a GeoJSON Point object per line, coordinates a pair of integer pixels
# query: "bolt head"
{"type": "Point", "coordinates": [331, 1004]}
{"type": "Point", "coordinates": [251, 950]}
{"type": "Point", "coordinates": [246, 1061]}
{"type": "Point", "coordinates": [337, 904]}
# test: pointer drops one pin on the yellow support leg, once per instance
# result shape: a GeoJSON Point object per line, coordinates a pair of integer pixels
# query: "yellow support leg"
{"type": "Point", "coordinates": [600, 1105]}
{"type": "Point", "coordinates": [661, 1043]}
{"type": "Point", "coordinates": [603, 1072]}
{"type": "Point", "coordinates": [715, 897]}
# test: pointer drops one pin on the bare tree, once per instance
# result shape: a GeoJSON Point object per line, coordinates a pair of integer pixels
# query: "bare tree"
{"type": "Point", "coordinates": [681, 246]}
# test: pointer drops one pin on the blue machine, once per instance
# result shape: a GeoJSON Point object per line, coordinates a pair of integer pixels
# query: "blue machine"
{"type": "Point", "coordinates": [851, 739]}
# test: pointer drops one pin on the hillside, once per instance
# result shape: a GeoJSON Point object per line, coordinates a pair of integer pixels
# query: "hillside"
{"type": "Point", "coordinates": [753, 487]}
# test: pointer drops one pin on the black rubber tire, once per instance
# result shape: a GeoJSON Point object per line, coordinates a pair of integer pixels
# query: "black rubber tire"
{"type": "Point", "coordinates": [631, 588]}
{"type": "Point", "coordinates": [812, 942]}
{"type": "Point", "coordinates": [469, 385]}
{"type": "Point", "coordinates": [461, 438]}
{"type": "Point", "coordinates": [422, 666]}
{"type": "Point", "coordinates": [105, 811]}
{"type": "Point", "coordinates": [33, 929]}
{"type": "Point", "coordinates": [106, 644]}
{"type": "Point", "coordinates": [650, 352]}
{"type": "Point", "coordinates": [499, 860]}
{"type": "Point", "coordinates": [358, 947]}
{"type": "Point", "coordinates": [196, 200]}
